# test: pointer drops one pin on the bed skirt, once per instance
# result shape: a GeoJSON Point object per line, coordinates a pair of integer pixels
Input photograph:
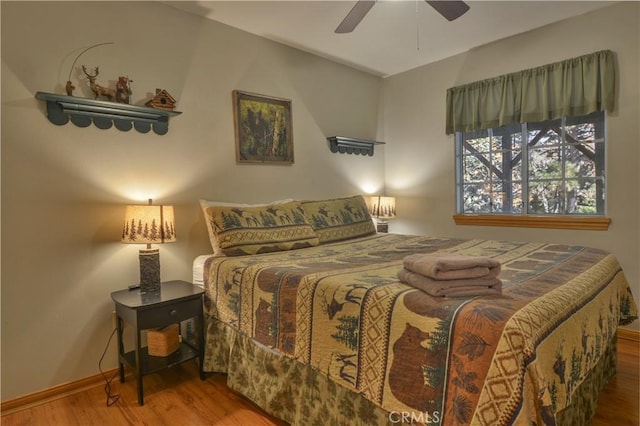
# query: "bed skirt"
{"type": "Point", "coordinates": [300, 395]}
{"type": "Point", "coordinates": [585, 399]}
{"type": "Point", "coordinates": [284, 388]}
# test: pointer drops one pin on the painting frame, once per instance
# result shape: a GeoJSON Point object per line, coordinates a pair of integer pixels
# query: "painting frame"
{"type": "Point", "coordinates": [263, 128]}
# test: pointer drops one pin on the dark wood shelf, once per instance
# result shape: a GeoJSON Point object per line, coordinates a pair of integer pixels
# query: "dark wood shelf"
{"type": "Point", "coordinates": [151, 364]}
{"type": "Point", "coordinates": [346, 145]}
{"type": "Point", "coordinates": [103, 114]}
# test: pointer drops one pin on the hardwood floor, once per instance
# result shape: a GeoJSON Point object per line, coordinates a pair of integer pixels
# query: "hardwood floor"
{"type": "Point", "coordinates": [178, 397]}
{"type": "Point", "coordinates": [175, 396]}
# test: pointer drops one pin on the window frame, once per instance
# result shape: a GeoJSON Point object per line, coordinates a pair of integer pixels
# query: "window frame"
{"type": "Point", "coordinates": [597, 221]}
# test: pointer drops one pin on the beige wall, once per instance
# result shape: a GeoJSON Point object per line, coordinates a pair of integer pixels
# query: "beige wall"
{"type": "Point", "coordinates": [420, 157]}
{"type": "Point", "coordinates": [64, 188]}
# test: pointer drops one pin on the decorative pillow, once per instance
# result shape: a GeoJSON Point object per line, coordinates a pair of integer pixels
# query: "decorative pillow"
{"type": "Point", "coordinates": [212, 236]}
{"type": "Point", "coordinates": [339, 219]}
{"type": "Point", "coordinates": [261, 229]}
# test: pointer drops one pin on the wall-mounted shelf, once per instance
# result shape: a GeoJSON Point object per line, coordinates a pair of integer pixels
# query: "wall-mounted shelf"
{"type": "Point", "coordinates": [345, 145]}
{"type": "Point", "coordinates": [104, 114]}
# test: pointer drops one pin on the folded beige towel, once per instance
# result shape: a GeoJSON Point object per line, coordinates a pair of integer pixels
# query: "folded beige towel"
{"type": "Point", "coordinates": [446, 266]}
{"type": "Point", "coordinates": [452, 288]}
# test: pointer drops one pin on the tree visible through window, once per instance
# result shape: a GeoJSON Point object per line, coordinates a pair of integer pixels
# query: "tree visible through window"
{"type": "Point", "coordinates": [553, 167]}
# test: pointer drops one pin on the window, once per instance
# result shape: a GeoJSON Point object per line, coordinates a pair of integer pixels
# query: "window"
{"type": "Point", "coordinates": [552, 168]}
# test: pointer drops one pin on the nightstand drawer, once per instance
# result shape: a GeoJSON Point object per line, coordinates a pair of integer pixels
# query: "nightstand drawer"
{"type": "Point", "coordinates": [161, 316]}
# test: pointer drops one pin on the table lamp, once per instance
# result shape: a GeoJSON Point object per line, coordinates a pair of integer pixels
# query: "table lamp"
{"type": "Point", "coordinates": [382, 208]}
{"type": "Point", "coordinates": [149, 224]}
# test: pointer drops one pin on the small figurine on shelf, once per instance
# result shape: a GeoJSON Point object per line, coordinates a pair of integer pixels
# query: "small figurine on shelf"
{"type": "Point", "coordinates": [123, 90]}
{"type": "Point", "coordinates": [162, 100]}
{"type": "Point", "coordinates": [96, 88]}
{"type": "Point", "coordinates": [69, 87]}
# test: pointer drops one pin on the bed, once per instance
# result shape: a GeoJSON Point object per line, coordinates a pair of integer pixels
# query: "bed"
{"type": "Point", "coordinates": [308, 319]}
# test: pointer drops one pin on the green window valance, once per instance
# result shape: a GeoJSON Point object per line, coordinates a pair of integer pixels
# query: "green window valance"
{"type": "Point", "coordinates": [573, 87]}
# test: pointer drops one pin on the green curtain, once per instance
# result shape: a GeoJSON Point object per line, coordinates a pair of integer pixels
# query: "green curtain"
{"type": "Point", "coordinates": [573, 87]}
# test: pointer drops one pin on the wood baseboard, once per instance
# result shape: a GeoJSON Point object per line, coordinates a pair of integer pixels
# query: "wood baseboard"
{"type": "Point", "coordinates": [53, 393]}
{"type": "Point", "coordinates": [625, 333]}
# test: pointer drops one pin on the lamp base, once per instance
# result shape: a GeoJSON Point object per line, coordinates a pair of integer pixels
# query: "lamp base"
{"type": "Point", "coordinates": [150, 296]}
{"type": "Point", "coordinates": [382, 226]}
{"type": "Point", "coordinates": [149, 270]}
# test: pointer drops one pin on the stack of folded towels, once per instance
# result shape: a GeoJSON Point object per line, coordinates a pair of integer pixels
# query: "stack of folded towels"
{"type": "Point", "coordinates": [452, 275]}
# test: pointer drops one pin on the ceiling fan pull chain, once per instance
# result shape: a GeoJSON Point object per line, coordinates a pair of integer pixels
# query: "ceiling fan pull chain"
{"type": "Point", "coordinates": [417, 26]}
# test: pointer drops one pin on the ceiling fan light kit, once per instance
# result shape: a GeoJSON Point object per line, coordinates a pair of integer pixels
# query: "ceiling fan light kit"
{"type": "Point", "coordinates": [449, 9]}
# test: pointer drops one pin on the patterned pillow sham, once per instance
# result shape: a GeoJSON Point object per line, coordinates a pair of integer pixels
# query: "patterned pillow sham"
{"type": "Point", "coordinates": [339, 219]}
{"type": "Point", "coordinates": [260, 229]}
{"type": "Point", "coordinates": [213, 239]}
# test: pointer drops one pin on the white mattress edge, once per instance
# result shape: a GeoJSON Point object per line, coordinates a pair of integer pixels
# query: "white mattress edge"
{"type": "Point", "coordinates": [198, 269]}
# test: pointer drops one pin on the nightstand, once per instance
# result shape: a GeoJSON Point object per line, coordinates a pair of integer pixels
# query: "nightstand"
{"type": "Point", "coordinates": [176, 302]}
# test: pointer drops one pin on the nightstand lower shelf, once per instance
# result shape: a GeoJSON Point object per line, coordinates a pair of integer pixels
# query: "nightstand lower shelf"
{"type": "Point", "coordinates": [151, 364]}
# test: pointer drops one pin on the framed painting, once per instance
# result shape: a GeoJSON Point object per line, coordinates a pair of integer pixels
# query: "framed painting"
{"type": "Point", "coordinates": [264, 132]}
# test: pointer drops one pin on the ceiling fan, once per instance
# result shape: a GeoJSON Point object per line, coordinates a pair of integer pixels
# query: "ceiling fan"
{"type": "Point", "coordinates": [449, 9]}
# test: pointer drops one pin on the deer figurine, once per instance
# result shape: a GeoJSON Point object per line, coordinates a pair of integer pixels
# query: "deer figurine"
{"type": "Point", "coordinates": [96, 88]}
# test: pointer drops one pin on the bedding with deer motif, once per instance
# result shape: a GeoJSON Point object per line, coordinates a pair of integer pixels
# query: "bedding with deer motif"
{"type": "Point", "coordinates": [339, 308]}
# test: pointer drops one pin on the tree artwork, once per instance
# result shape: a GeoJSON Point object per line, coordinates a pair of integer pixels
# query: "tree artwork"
{"type": "Point", "coordinates": [263, 128]}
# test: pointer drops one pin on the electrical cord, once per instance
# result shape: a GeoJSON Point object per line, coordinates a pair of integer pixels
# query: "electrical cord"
{"type": "Point", "coordinates": [111, 398]}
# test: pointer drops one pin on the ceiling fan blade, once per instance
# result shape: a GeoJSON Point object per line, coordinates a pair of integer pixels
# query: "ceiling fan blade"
{"type": "Point", "coordinates": [355, 15]}
{"type": "Point", "coordinates": [449, 9]}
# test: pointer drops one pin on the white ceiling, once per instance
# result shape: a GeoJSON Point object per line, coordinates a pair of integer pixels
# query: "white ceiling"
{"type": "Point", "coordinates": [395, 36]}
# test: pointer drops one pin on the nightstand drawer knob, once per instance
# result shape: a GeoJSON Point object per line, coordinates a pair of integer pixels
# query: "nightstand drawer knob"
{"type": "Point", "coordinates": [173, 312]}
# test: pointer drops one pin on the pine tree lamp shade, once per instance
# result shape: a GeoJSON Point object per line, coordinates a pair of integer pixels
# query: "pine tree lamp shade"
{"type": "Point", "coordinates": [149, 224]}
{"type": "Point", "coordinates": [383, 209]}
